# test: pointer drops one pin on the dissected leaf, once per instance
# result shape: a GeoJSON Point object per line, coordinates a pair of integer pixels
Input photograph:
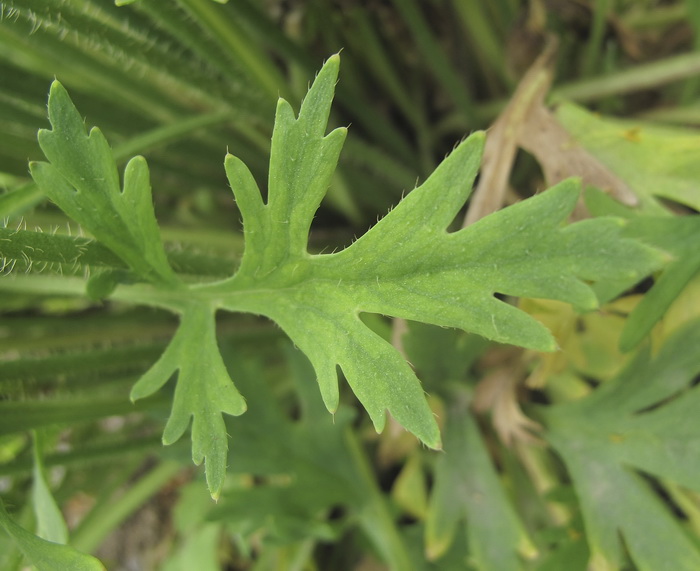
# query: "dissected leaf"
{"type": "Point", "coordinates": [204, 392]}
{"type": "Point", "coordinates": [467, 487]}
{"type": "Point", "coordinates": [407, 266]}
{"type": "Point", "coordinates": [645, 421]}
{"type": "Point", "coordinates": [655, 162]}
{"type": "Point", "coordinates": [82, 178]}
{"type": "Point", "coordinates": [45, 555]}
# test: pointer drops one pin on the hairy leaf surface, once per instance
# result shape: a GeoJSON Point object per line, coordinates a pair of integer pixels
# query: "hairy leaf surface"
{"type": "Point", "coordinates": [409, 265]}
{"type": "Point", "coordinates": [82, 179]}
{"type": "Point", "coordinates": [204, 391]}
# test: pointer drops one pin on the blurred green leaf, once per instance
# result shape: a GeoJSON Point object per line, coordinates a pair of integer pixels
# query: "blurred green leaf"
{"type": "Point", "coordinates": [644, 421]}
{"type": "Point", "coordinates": [50, 523]}
{"type": "Point", "coordinates": [306, 469]}
{"type": "Point", "coordinates": [198, 551]}
{"type": "Point", "coordinates": [46, 555]}
{"type": "Point", "coordinates": [467, 487]}
{"type": "Point", "coordinates": [680, 236]}
{"type": "Point", "coordinates": [656, 162]}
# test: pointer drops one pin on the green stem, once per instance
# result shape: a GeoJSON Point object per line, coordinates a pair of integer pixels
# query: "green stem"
{"type": "Point", "coordinates": [16, 416]}
{"type": "Point", "coordinates": [107, 516]}
{"type": "Point", "coordinates": [84, 457]}
{"type": "Point", "coordinates": [167, 134]}
{"type": "Point", "coordinates": [73, 334]}
{"type": "Point", "coordinates": [659, 17]}
{"type": "Point", "coordinates": [218, 294]}
{"type": "Point", "coordinates": [639, 77]}
{"type": "Point", "coordinates": [592, 52]}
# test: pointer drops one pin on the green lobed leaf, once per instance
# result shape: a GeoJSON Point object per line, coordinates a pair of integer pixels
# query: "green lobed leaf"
{"type": "Point", "coordinates": [46, 555]}
{"type": "Point", "coordinates": [467, 487]}
{"type": "Point", "coordinates": [204, 392]}
{"type": "Point", "coordinates": [644, 421]}
{"type": "Point", "coordinates": [302, 162]}
{"type": "Point", "coordinates": [408, 265]}
{"type": "Point", "coordinates": [81, 177]}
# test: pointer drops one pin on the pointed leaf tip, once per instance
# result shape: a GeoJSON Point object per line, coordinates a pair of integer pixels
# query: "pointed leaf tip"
{"type": "Point", "coordinates": [56, 88]}
{"type": "Point", "coordinates": [435, 444]}
{"type": "Point", "coordinates": [332, 63]}
{"type": "Point", "coordinates": [81, 177]}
